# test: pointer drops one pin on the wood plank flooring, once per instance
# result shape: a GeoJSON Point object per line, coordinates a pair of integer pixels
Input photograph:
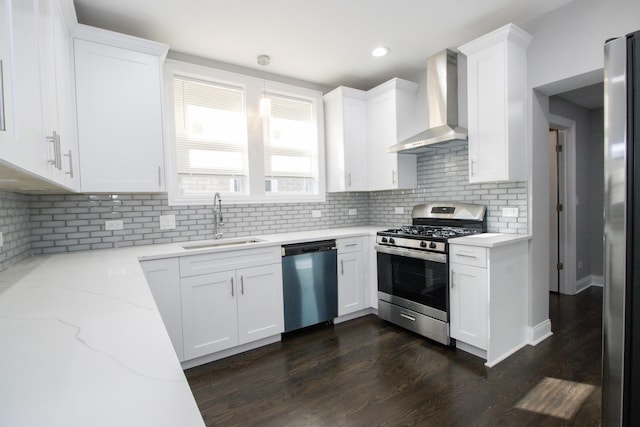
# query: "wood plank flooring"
{"type": "Point", "coordinates": [368, 372]}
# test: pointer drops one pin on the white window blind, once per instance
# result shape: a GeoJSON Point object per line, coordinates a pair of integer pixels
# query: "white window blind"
{"type": "Point", "coordinates": [290, 145]}
{"type": "Point", "coordinates": [211, 135]}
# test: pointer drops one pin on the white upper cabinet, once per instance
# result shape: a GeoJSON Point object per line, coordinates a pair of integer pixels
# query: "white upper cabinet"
{"type": "Point", "coordinates": [119, 111]}
{"type": "Point", "coordinates": [21, 143]}
{"type": "Point", "coordinates": [389, 115]}
{"type": "Point", "coordinates": [57, 19]}
{"type": "Point", "coordinates": [497, 95]}
{"type": "Point", "coordinates": [345, 113]}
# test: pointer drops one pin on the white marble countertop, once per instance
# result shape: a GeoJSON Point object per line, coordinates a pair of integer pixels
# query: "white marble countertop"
{"type": "Point", "coordinates": [490, 240]}
{"type": "Point", "coordinates": [82, 341]}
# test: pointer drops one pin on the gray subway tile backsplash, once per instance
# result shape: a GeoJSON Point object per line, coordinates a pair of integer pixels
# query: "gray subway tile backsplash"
{"type": "Point", "coordinates": [40, 224]}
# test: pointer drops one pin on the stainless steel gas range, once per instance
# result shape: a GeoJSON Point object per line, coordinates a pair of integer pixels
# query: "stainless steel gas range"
{"type": "Point", "coordinates": [413, 266]}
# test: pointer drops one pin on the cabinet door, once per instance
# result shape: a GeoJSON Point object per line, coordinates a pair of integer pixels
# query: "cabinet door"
{"type": "Point", "coordinates": [381, 112]}
{"type": "Point", "coordinates": [260, 302]}
{"type": "Point", "coordinates": [163, 276]}
{"type": "Point", "coordinates": [355, 133]}
{"type": "Point", "coordinates": [351, 282]}
{"type": "Point", "coordinates": [22, 143]}
{"type": "Point", "coordinates": [209, 313]}
{"type": "Point", "coordinates": [487, 115]}
{"type": "Point", "coordinates": [469, 302]}
{"type": "Point", "coordinates": [58, 113]}
{"type": "Point", "coordinates": [119, 109]}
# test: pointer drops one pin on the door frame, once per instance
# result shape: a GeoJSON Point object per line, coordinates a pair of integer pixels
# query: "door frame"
{"type": "Point", "coordinates": [567, 283]}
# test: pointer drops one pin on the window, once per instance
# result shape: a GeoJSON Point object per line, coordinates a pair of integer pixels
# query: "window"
{"type": "Point", "coordinates": [210, 137]}
{"type": "Point", "coordinates": [290, 146]}
{"type": "Point", "coordinates": [216, 142]}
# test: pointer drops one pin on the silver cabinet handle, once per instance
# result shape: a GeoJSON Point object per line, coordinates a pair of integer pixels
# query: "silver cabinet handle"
{"type": "Point", "coordinates": [452, 278]}
{"type": "Point", "coordinates": [242, 285]}
{"type": "Point", "coordinates": [462, 254]}
{"type": "Point", "coordinates": [393, 176]}
{"type": "Point", "coordinates": [350, 245]}
{"type": "Point", "coordinates": [3, 124]}
{"type": "Point", "coordinates": [159, 176]}
{"type": "Point", "coordinates": [69, 155]}
{"type": "Point", "coordinates": [473, 168]}
{"type": "Point", "coordinates": [232, 294]}
{"type": "Point", "coordinates": [57, 158]}
{"type": "Point", "coordinates": [342, 267]}
{"type": "Point", "coordinates": [349, 179]}
{"type": "Point", "coordinates": [406, 316]}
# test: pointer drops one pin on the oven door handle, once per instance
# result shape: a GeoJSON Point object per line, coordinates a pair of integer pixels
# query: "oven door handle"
{"type": "Point", "coordinates": [410, 253]}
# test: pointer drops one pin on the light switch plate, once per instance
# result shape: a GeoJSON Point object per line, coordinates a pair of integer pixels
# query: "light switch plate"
{"type": "Point", "coordinates": [353, 212]}
{"type": "Point", "coordinates": [399, 210]}
{"type": "Point", "coordinates": [167, 222]}
{"type": "Point", "coordinates": [115, 224]}
{"type": "Point", "coordinates": [510, 212]}
{"type": "Point", "coordinates": [316, 213]}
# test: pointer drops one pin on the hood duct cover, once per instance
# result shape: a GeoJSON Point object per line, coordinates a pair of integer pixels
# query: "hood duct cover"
{"type": "Point", "coordinates": [442, 105]}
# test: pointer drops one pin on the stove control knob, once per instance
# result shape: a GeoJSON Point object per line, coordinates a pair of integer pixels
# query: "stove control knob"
{"type": "Point", "coordinates": [432, 245]}
{"type": "Point", "coordinates": [392, 240]}
{"type": "Point", "coordinates": [383, 240]}
{"type": "Point", "coordinates": [423, 244]}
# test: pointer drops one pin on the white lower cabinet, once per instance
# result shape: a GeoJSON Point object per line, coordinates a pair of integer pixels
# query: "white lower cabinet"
{"type": "Point", "coordinates": [488, 298]}
{"type": "Point", "coordinates": [352, 276]}
{"type": "Point", "coordinates": [468, 296]}
{"type": "Point", "coordinates": [209, 313]}
{"type": "Point", "coordinates": [223, 306]}
{"type": "Point", "coordinates": [163, 276]}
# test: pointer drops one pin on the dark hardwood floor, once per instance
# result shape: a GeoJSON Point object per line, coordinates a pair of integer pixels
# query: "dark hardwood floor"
{"type": "Point", "coordinates": [368, 372]}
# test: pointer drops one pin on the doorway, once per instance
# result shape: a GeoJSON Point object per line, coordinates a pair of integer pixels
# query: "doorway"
{"type": "Point", "coordinates": [562, 216]}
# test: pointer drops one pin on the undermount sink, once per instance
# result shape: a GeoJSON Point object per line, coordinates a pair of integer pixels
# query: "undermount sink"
{"type": "Point", "coordinates": [219, 243]}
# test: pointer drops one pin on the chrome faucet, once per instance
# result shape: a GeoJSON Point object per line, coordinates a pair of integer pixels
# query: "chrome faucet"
{"type": "Point", "coordinates": [217, 216]}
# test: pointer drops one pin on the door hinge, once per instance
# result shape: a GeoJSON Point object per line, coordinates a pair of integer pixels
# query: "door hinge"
{"type": "Point", "coordinates": [560, 266]}
{"type": "Point", "coordinates": [559, 207]}
{"type": "Point", "coordinates": [558, 148]}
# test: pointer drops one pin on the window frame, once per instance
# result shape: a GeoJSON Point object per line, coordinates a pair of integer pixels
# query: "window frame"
{"type": "Point", "coordinates": [253, 88]}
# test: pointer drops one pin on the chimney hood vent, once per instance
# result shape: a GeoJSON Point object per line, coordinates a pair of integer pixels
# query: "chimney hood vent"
{"type": "Point", "coordinates": [442, 106]}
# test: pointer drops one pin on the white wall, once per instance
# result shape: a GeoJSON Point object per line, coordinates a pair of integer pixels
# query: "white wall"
{"type": "Point", "coordinates": [566, 53]}
{"type": "Point", "coordinates": [568, 42]}
{"type": "Point", "coordinates": [585, 177]}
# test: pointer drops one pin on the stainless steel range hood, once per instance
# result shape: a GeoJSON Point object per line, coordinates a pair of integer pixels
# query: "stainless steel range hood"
{"type": "Point", "coordinates": [442, 105]}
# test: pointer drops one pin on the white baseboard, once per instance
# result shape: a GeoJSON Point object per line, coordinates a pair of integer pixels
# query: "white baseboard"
{"type": "Point", "coordinates": [355, 315]}
{"type": "Point", "coordinates": [539, 333]}
{"type": "Point", "coordinates": [588, 281]}
{"type": "Point", "coordinates": [229, 352]}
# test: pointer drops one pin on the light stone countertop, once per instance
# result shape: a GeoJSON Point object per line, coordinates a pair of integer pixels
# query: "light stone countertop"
{"type": "Point", "coordinates": [82, 341]}
{"type": "Point", "coordinates": [490, 240]}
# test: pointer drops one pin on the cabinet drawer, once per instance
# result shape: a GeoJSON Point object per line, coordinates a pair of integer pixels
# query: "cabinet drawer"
{"type": "Point", "coordinates": [194, 265]}
{"type": "Point", "coordinates": [468, 255]}
{"type": "Point", "coordinates": [351, 244]}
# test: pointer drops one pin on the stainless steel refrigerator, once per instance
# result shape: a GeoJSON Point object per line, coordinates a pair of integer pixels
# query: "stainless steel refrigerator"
{"type": "Point", "coordinates": [621, 311]}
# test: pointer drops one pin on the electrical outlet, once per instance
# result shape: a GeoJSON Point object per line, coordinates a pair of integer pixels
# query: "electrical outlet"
{"type": "Point", "coordinates": [167, 222]}
{"type": "Point", "coordinates": [580, 265]}
{"type": "Point", "coordinates": [1, 239]}
{"type": "Point", "coordinates": [510, 212]}
{"type": "Point", "coordinates": [399, 210]}
{"type": "Point", "coordinates": [115, 224]}
{"type": "Point", "coordinates": [353, 212]}
{"type": "Point", "coordinates": [316, 213]}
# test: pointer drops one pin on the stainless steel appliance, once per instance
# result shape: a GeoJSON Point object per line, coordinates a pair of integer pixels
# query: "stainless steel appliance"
{"type": "Point", "coordinates": [413, 266]}
{"type": "Point", "coordinates": [621, 308]}
{"type": "Point", "coordinates": [310, 283]}
{"type": "Point", "coordinates": [441, 122]}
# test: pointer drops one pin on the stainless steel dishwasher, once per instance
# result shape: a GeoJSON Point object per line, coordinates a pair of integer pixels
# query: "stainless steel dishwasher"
{"type": "Point", "coordinates": [310, 283]}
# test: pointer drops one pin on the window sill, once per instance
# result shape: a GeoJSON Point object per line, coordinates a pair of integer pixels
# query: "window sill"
{"type": "Point", "coordinates": [249, 200]}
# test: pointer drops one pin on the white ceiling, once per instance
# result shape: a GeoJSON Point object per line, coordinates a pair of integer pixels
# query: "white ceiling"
{"type": "Point", "coordinates": [320, 41]}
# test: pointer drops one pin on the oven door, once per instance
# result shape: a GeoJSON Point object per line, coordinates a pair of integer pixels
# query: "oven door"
{"type": "Point", "coordinates": [414, 279]}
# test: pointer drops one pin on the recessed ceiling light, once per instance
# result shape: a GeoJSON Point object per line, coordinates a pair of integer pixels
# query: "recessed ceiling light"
{"type": "Point", "coordinates": [380, 51]}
